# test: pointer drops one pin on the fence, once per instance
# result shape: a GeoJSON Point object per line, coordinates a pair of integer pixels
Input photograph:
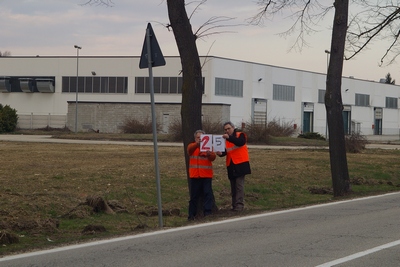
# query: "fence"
{"type": "Point", "coordinates": [38, 121]}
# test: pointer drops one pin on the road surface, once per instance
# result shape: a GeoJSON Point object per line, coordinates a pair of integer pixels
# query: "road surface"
{"type": "Point", "coordinates": [359, 232]}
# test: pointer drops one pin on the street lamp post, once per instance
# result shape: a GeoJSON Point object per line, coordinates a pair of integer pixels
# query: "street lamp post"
{"type": "Point", "coordinates": [327, 60]}
{"type": "Point", "coordinates": [327, 67]}
{"type": "Point", "coordinates": [76, 89]}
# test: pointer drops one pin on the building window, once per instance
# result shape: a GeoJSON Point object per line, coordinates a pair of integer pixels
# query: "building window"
{"type": "Point", "coordinates": [228, 87]}
{"type": "Point", "coordinates": [27, 84]}
{"type": "Point", "coordinates": [283, 92]}
{"type": "Point", "coordinates": [173, 85]}
{"type": "Point", "coordinates": [362, 100]}
{"type": "Point", "coordinates": [90, 84]}
{"type": "Point", "coordinates": [162, 85]}
{"type": "Point", "coordinates": [321, 96]}
{"type": "Point", "coordinates": [391, 102]}
{"type": "Point", "coordinates": [96, 84]}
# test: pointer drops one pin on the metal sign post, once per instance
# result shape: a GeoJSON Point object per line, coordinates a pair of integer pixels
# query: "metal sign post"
{"type": "Point", "coordinates": [149, 43]}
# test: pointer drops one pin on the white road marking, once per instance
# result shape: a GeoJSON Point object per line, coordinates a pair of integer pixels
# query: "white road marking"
{"type": "Point", "coordinates": [360, 254]}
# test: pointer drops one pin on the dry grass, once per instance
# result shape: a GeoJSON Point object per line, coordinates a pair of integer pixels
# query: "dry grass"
{"type": "Point", "coordinates": [41, 183]}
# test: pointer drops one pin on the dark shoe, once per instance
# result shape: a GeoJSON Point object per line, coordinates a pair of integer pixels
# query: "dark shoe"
{"type": "Point", "coordinates": [191, 218]}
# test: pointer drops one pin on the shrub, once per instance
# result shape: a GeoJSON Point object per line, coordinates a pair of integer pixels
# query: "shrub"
{"type": "Point", "coordinates": [355, 142]}
{"type": "Point", "coordinates": [210, 127]}
{"type": "Point", "coordinates": [257, 133]}
{"type": "Point", "coordinates": [51, 129]}
{"type": "Point", "coordinates": [133, 125]}
{"type": "Point", "coordinates": [175, 130]}
{"type": "Point", "coordinates": [278, 129]}
{"type": "Point", "coordinates": [261, 133]}
{"type": "Point", "coordinates": [311, 135]}
{"type": "Point", "coordinates": [8, 119]}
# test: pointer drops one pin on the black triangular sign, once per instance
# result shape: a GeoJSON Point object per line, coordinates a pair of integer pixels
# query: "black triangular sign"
{"type": "Point", "coordinates": [156, 54]}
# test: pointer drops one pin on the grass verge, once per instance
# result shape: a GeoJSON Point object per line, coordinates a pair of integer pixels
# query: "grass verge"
{"type": "Point", "coordinates": [44, 187]}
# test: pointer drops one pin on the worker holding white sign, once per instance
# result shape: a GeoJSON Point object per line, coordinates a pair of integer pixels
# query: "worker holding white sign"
{"type": "Point", "coordinates": [237, 163]}
{"type": "Point", "coordinates": [201, 174]}
{"type": "Point", "coordinates": [212, 143]}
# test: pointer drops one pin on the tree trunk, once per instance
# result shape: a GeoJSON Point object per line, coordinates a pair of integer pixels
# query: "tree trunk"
{"type": "Point", "coordinates": [192, 87]}
{"type": "Point", "coordinates": [333, 101]}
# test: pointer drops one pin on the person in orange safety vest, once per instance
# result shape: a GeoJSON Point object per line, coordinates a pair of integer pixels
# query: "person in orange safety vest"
{"type": "Point", "coordinates": [200, 174]}
{"type": "Point", "coordinates": [237, 163]}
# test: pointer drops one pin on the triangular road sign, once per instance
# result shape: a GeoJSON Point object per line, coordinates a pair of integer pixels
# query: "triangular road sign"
{"type": "Point", "coordinates": [157, 57]}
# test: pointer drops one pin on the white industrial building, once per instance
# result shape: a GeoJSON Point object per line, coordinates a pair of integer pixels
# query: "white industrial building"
{"type": "Point", "coordinates": [112, 88]}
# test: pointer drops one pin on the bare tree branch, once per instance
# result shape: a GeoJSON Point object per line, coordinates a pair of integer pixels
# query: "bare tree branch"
{"type": "Point", "coordinates": [207, 58]}
{"type": "Point", "coordinates": [196, 8]}
{"type": "Point", "coordinates": [306, 16]}
{"type": "Point", "coordinates": [109, 3]}
{"type": "Point", "coordinates": [214, 23]}
{"type": "Point", "coordinates": [378, 21]}
{"type": "Point", "coordinates": [211, 24]}
{"type": "Point", "coordinates": [373, 21]}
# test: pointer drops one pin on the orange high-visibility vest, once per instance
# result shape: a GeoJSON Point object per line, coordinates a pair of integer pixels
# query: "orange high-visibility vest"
{"type": "Point", "coordinates": [200, 166]}
{"type": "Point", "coordinates": [238, 154]}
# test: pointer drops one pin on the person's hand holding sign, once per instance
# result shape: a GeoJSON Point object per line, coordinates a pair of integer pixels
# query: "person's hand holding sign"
{"type": "Point", "coordinates": [211, 142]}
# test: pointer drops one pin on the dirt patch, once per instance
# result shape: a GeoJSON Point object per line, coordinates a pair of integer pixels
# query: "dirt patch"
{"type": "Point", "coordinates": [7, 238]}
{"type": "Point", "coordinates": [93, 229]}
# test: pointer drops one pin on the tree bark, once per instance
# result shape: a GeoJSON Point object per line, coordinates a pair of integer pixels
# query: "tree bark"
{"type": "Point", "coordinates": [333, 101]}
{"type": "Point", "coordinates": [192, 87]}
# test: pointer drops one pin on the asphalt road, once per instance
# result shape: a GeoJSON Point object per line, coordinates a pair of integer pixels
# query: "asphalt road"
{"type": "Point", "coordinates": [360, 232]}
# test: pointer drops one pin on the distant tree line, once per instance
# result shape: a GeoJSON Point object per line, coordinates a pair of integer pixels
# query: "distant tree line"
{"type": "Point", "coordinates": [389, 80]}
{"type": "Point", "coordinates": [5, 54]}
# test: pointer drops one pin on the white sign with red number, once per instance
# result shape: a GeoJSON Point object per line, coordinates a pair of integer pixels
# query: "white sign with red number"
{"type": "Point", "coordinates": [211, 142]}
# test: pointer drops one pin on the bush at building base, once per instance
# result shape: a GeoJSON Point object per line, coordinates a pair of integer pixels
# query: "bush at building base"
{"type": "Point", "coordinates": [8, 119]}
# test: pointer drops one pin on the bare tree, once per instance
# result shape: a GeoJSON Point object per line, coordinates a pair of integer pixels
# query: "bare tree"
{"type": "Point", "coordinates": [333, 101]}
{"type": "Point", "coordinates": [373, 20]}
{"type": "Point", "coordinates": [185, 37]}
{"type": "Point", "coordinates": [389, 80]}
{"type": "Point", "coordinates": [192, 80]}
{"type": "Point", "coordinates": [307, 14]}
{"type": "Point", "coordinates": [192, 85]}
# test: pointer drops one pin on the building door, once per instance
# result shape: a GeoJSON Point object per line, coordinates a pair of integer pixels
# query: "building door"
{"type": "Point", "coordinates": [346, 119]}
{"type": "Point", "coordinates": [307, 122]}
{"type": "Point", "coordinates": [308, 117]}
{"type": "Point", "coordinates": [378, 115]}
{"type": "Point", "coordinates": [165, 123]}
{"type": "Point", "coordinates": [259, 111]}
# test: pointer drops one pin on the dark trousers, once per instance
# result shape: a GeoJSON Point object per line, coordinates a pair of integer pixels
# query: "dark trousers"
{"type": "Point", "coordinates": [237, 192]}
{"type": "Point", "coordinates": [198, 187]}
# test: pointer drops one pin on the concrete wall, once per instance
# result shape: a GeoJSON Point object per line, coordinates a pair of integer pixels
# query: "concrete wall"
{"type": "Point", "coordinates": [109, 117]}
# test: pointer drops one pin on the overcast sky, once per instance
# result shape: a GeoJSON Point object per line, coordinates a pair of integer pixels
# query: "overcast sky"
{"type": "Point", "coordinates": [53, 27]}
